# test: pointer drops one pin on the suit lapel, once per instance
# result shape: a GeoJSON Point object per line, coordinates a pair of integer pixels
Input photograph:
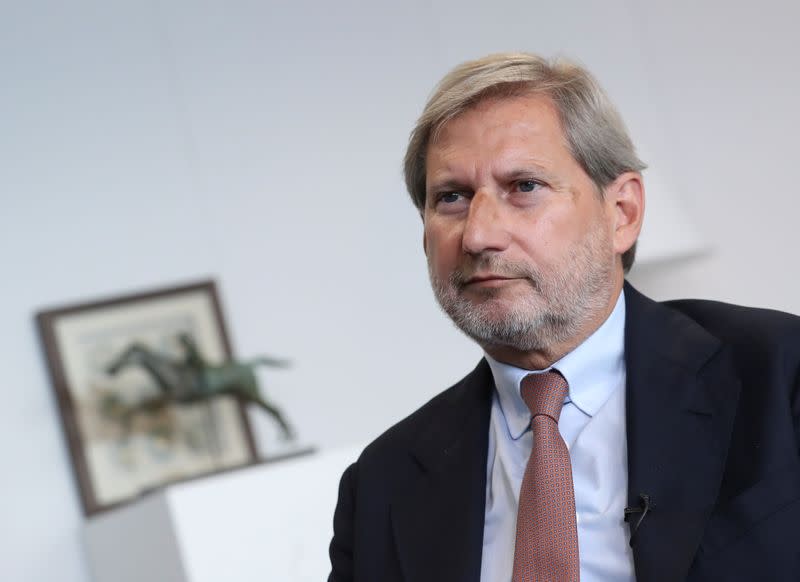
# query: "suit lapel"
{"type": "Point", "coordinates": [438, 519]}
{"type": "Point", "coordinates": [681, 400]}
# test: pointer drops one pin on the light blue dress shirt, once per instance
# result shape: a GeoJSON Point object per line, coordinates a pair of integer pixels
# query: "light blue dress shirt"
{"type": "Point", "coordinates": [592, 424]}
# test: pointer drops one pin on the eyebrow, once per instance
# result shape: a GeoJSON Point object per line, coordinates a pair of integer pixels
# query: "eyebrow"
{"type": "Point", "coordinates": [447, 185]}
{"type": "Point", "coordinates": [531, 170]}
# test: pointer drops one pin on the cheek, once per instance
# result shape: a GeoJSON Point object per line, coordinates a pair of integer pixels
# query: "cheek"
{"type": "Point", "coordinates": [548, 242]}
{"type": "Point", "coordinates": [441, 250]}
{"type": "Point", "coordinates": [567, 226]}
{"type": "Point", "coordinates": [541, 237]}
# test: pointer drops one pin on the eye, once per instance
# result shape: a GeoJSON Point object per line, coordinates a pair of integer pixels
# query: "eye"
{"type": "Point", "coordinates": [528, 185]}
{"type": "Point", "coordinates": [450, 197]}
{"type": "Point", "coordinates": [451, 201]}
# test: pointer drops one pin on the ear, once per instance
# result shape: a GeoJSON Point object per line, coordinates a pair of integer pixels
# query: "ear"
{"type": "Point", "coordinates": [625, 200]}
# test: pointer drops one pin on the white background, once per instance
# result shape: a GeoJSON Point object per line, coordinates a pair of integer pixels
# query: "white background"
{"type": "Point", "coordinates": [149, 142]}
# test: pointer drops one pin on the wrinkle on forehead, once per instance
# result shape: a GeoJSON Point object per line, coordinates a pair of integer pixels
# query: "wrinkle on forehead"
{"type": "Point", "coordinates": [539, 108]}
{"type": "Point", "coordinates": [488, 137]}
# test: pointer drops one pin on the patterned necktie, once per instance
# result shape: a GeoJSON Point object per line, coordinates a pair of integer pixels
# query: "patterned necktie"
{"type": "Point", "coordinates": [547, 535]}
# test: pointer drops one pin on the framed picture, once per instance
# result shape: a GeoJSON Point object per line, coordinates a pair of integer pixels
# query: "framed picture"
{"type": "Point", "coordinates": [111, 364]}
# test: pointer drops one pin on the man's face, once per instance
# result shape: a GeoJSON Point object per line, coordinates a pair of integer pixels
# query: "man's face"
{"type": "Point", "coordinates": [518, 239]}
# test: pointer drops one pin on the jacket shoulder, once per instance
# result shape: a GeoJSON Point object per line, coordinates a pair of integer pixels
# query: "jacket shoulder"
{"type": "Point", "coordinates": [440, 414]}
{"type": "Point", "coordinates": [742, 326]}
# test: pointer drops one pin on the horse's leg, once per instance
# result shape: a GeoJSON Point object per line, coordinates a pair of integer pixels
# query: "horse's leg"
{"type": "Point", "coordinates": [120, 361]}
{"type": "Point", "coordinates": [286, 430]}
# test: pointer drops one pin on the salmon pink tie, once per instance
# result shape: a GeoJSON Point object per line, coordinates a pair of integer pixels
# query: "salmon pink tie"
{"type": "Point", "coordinates": [546, 549]}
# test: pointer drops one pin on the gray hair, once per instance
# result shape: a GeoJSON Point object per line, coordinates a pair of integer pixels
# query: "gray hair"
{"type": "Point", "coordinates": [595, 133]}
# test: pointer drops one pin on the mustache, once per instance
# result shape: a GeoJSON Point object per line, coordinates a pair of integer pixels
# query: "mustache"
{"type": "Point", "coordinates": [483, 264]}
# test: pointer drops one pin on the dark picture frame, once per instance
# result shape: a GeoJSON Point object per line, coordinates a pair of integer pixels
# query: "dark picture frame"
{"type": "Point", "coordinates": [113, 462]}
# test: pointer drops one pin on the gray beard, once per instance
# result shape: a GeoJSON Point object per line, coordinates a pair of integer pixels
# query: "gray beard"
{"type": "Point", "coordinates": [555, 310]}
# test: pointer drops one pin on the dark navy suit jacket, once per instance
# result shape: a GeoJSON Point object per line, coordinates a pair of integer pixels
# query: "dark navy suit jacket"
{"type": "Point", "coordinates": [713, 432]}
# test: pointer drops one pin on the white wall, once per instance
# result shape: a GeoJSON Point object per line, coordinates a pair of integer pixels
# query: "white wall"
{"type": "Point", "coordinates": [145, 143]}
{"type": "Point", "coordinates": [728, 82]}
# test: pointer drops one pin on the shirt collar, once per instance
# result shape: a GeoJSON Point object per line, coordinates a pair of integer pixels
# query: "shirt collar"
{"type": "Point", "coordinates": [593, 370]}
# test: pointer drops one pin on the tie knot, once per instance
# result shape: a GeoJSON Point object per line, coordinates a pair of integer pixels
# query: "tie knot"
{"type": "Point", "coordinates": [544, 393]}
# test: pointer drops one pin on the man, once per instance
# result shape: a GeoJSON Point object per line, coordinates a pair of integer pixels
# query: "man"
{"type": "Point", "coordinates": [604, 436]}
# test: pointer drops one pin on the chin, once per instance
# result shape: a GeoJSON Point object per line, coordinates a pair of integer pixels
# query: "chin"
{"type": "Point", "coordinates": [499, 309]}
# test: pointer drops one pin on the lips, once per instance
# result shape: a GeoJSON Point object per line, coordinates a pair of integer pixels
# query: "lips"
{"type": "Point", "coordinates": [479, 278]}
{"type": "Point", "coordinates": [489, 278]}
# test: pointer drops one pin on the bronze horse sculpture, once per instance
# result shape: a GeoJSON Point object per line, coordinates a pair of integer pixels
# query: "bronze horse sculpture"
{"type": "Point", "coordinates": [193, 379]}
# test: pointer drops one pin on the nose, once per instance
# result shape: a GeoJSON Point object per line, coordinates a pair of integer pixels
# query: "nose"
{"type": "Point", "coordinates": [484, 228]}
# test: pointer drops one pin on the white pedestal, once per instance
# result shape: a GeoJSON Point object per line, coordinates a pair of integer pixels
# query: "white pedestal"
{"type": "Point", "coordinates": [259, 524]}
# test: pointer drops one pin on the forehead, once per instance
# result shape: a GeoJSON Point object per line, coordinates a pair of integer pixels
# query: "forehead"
{"type": "Point", "coordinates": [526, 114]}
{"type": "Point", "coordinates": [497, 132]}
